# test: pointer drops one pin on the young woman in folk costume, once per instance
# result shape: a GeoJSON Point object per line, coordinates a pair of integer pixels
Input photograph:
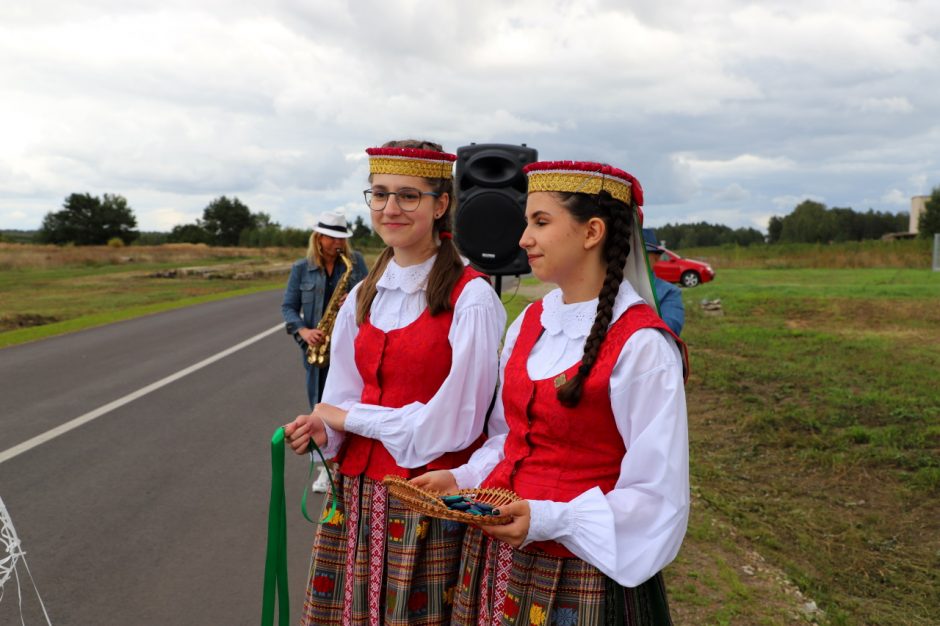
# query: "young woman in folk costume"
{"type": "Point", "coordinates": [414, 363]}
{"type": "Point", "coordinates": [591, 428]}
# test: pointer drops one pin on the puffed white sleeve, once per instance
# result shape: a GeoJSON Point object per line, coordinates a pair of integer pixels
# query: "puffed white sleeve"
{"type": "Point", "coordinates": [487, 456]}
{"type": "Point", "coordinates": [636, 529]}
{"type": "Point", "coordinates": [343, 384]}
{"type": "Point", "coordinates": [452, 419]}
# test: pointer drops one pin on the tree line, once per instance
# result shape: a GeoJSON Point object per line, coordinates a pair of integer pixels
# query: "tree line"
{"type": "Point", "coordinates": [88, 220]}
{"type": "Point", "coordinates": [809, 222]}
{"type": "Point", "coordinates": [812, 222]}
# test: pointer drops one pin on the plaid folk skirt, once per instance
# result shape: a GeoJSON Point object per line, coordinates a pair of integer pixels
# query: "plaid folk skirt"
{"type": "Point", "coordinates": [376, 562]}
{"type": "Point", "coordinates": [507, 587]}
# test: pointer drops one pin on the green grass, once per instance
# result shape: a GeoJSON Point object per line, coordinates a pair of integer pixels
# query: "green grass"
{"type": "Point", "coordinates": [915, 253]}
{"type": "Point", "coordinates": [33, 333]}
{"type": "Point", "coordinates": [516, 299]}
{"type": "Point", "coordinates": [814, 411]}
{"type": "Point", "coordinates": [42, 302]}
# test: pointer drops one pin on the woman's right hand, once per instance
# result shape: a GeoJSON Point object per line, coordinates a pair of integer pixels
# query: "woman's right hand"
{"type": "Point", "coordinates": [437, 481]}
{"type": "Point", "coordinates": [299, 432]}
{"type": "Point", "coordinates": [313, 336]}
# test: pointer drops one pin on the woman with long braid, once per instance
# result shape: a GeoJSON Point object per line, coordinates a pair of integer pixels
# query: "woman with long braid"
{"type": "Point", "coordinates": [413, 367]}
{"type": "Point", "coordinates": [591, 428]}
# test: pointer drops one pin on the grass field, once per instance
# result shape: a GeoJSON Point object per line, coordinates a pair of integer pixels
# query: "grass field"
{"type": "Point", "coordinates": [49, 290]}
{"type": "Point", "coordinates": [871, 254]}
{"type": "Point", "coordinates": [814, 414]}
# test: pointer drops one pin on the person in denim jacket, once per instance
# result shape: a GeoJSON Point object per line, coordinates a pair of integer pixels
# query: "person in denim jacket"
{"type": "Point", "coordinates": [671, 309]}
{"type": "Point", "coordinates": [310, 286]}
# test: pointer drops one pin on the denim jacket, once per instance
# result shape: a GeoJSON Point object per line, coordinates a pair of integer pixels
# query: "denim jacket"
{"type": "Point", "coordinates": [303, 299]}
{"type": "Point", "coordinates": [671, 308]}
{"type": "Point", "coordinates": [303, 306]}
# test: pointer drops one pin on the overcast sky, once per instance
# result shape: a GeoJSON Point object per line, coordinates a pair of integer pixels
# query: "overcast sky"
{"type": "Point", "coordinates": [727, 111]}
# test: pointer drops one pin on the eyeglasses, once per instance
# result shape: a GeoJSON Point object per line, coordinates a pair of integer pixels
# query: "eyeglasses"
{"type": "Point", "coordinates": [408, 199]}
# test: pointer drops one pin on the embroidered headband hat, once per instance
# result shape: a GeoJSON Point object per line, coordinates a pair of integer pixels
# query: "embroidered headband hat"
{"type": "Point", "coordinates": [591, 178]}
{"type": "Point", "coordinates": [411, 162]}
{"type": "Point", "coordinates": [584, 177]}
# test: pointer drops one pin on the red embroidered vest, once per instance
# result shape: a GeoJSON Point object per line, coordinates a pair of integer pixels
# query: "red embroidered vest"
{"type": "Point", "coordinates": [554, 452]}
{"type": "Point", "coordinates": [400, 367]}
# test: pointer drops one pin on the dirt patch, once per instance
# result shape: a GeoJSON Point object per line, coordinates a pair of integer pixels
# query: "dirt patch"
{"type": "Point", "coordinates": [25, 320]}
{"type": "Point", "coordinates": [850, 534]}
{"type": "Point", "coordinates": [231, 271]}
{"type": "Point", "coordinates": [720, 578]}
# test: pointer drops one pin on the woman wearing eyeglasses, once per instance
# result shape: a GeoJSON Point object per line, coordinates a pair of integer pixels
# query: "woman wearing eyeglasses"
{"type": "Point", "coordinates": [413, 369]}
{"type": "Point", "coordinates": [590, 428]}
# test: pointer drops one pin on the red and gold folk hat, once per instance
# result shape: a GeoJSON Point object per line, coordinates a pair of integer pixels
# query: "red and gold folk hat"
{"type": "Point", "coordinates": [592, 178]}
{"type": "Point", "coordinates": [411, 162]}
{"type": "Point", "coordinates": [584, 177]}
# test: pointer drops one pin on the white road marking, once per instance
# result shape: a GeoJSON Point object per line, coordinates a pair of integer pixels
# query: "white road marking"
{"type": "Point", "coordinates": [51, 434]}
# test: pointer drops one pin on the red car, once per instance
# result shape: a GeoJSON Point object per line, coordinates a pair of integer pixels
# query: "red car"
{"type": "Point", "coordinates": [687, 272]}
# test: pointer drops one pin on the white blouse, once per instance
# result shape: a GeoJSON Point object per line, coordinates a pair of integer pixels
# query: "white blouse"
{"type": "Point", "coordinates": [453, 418]}
{"type": "Point", "coordinates": [636, 529]}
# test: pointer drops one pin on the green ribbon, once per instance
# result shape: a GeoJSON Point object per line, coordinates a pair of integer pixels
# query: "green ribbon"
{"type": "Point", "coordinates": [275, 563]}
{"type": "Point", "coordinates": [303, 502]}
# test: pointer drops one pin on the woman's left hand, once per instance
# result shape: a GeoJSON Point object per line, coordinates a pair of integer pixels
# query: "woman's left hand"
{"type": "Point", "coordinates": [515, 532]}
{"type": "Point", "coordinates": [332, 416]}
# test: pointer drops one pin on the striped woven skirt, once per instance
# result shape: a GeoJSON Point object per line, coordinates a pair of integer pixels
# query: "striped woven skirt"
{"type": "Point", "coordinates": [376, 562]}
{"type": "Point", "coordinates": [506, 587]}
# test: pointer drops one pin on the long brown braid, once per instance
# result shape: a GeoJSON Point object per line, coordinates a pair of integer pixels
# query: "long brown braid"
{"type": "Point", "coordinates": [618, 217]}
{"type": "Point", "coordinates": [447, 268]}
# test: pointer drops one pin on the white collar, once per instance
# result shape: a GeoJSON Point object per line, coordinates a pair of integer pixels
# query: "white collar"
{"type": "Point", "coordinates": [409, 279]}
{"type": "Point", "coordinates": [575, 320]}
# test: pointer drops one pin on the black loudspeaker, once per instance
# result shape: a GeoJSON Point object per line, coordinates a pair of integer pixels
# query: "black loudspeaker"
{"type": "Point", "coordinates": [491, 192]}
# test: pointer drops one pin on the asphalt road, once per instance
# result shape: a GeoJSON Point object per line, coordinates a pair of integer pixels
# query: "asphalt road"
{"type": "Point", "coordinates": [156, 511]}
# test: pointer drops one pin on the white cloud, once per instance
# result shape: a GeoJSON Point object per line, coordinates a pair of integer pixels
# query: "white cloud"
{"type": "Point", "coordinates": [732, 193]}
{"type": "Point", "coordinates": [711, 106]}
{"type": "Point", "coordinates": [760, 221]}
{"type": "Point", "coordinates": [896, 196]}
{"type": "Point", "coordinates": [743, 164]}
{"type": "Point", "coordinates": [787, 203]}
{"type": "Point", "coordinates": [896, 104]}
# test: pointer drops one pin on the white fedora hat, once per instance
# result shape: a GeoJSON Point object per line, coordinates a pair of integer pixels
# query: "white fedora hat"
{"type": "Point", "coordinates": [333, 224]}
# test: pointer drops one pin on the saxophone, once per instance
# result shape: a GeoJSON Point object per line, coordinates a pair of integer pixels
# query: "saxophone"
{"type": "Point", "coordinates": [319, 355]}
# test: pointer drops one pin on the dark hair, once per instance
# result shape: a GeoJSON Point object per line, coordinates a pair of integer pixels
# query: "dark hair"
{"type": "Point", "coordinates": [618, 217]}
{"type": "Point", "coordinates": [448, 267]}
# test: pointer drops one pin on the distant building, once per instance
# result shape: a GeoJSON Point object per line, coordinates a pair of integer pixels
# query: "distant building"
{"type": "Point", "coordinates": [918, 206]}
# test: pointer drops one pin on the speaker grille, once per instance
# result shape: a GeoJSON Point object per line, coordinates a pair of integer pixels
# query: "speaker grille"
{"type": "Point", "coordinates": [491, 193]}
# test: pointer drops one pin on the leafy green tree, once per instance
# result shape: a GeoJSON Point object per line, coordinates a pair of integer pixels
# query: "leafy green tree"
{"type": "Point", "coordinates": [87, 220]}
{"type": "Point", "coordinates": [929, 222]}
{"type": "Point", "coordinates": [225, 220]}
{"type": "Point", "coordinates": [747, 236]}
{"type": "Point", "coordinates": [189, 233]}
{"type": "Point", "coordinates": [152, 238]}
{"type": "Point", "coordinates": [363, 236]}
{"type": "Point", "coordinates": [774, 229]}
{"type": "Point", "coordinates": [678, 236]}
{"type": "Point", "coordinates": [808, 223]}
{"type": "Point", "coordinates": [116, 219]}
{"type": "Point", "coordinates": [360, 230]}
{"type": "Point", "coordinates": [263, 220]}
